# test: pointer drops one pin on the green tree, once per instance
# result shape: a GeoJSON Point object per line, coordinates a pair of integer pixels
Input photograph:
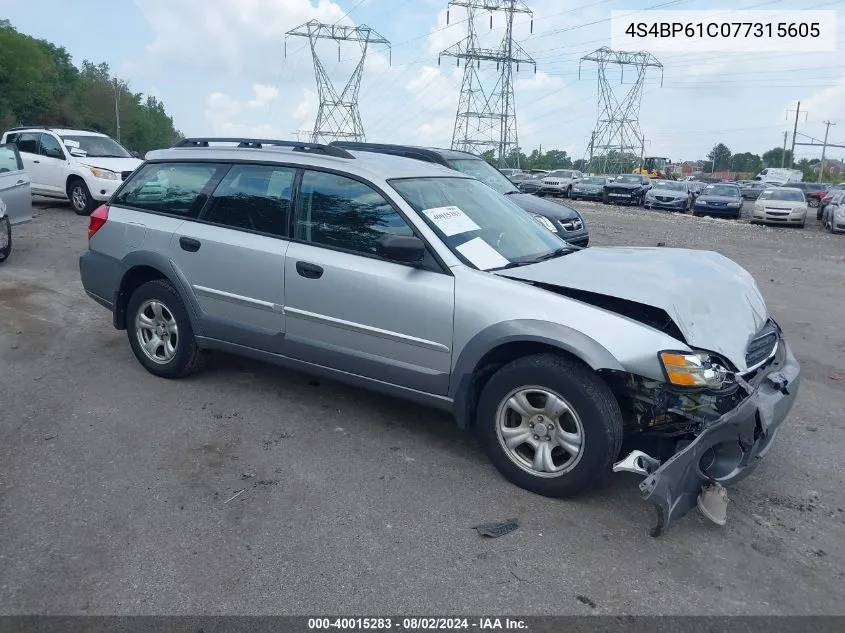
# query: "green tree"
{"type": "Point", "coordinates": [719, 157]}
{"type": "Point", "coordinates": [746, 162]}
{"type": "Point", "coordinates": [39, 85]}
{"type": "Point", "coordinates": [774, 158]}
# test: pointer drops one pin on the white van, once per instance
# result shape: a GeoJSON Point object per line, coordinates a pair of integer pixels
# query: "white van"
{"type": "Point", "coordinates": [779, 176]}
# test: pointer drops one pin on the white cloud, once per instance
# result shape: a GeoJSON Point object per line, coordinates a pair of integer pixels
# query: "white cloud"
{"type": "Point", "coordinates": [230, 117]}
{"type": "Point", "coordinates": [431, 88]}
{"type": "Point", "coordinates": [535, 81]}
{"type": "Point", "coordinates": [240, 36]}
{"type": "Point", "coordinates": [828, 103]}
{"type": "Point", "coordinates": [264, 95]}
{"type": "Point", "coordinates": [306, 110]}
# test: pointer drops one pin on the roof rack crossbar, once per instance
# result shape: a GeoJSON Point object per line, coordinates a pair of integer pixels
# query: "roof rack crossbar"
{"type": "Point", "coordinates": [258, 143]}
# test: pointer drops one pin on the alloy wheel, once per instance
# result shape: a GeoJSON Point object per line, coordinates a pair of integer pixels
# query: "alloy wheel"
{"type": "Point", "coordinates": [157, 331]}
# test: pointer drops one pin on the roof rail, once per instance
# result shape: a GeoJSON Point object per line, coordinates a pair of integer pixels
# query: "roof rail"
{"type": "Point", "coordinates": [30, 127]}
{"type": "Point", "coordinates": [258, 143]}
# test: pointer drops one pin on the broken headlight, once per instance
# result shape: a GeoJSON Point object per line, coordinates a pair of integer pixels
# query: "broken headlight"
{"type": "Point", "coordinates": [698, 369]}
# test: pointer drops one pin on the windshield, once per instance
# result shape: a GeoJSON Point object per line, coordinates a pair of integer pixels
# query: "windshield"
{"type": "Point", "coordinates": [629, 180]}
{"type": "Point", "coordinates": [593, 180]}
{"type": "Point", "coordinates": [559, 174]}
{"type": "Point", "coordinates": [99, 146]}
{"type": "Point", "coordinates": [790, 195]}
{"type": "Point", "coordinates": [479, 225]}
{"type": "Point", "coordinates": [671, 186]}
{"type": "Point", "coordinates": [722, 190]}
{"type": "Point", "coordinates": [483, 171]}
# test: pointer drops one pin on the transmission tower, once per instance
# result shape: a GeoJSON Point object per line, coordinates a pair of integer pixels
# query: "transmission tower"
{"type": "Point", "coordinates": [337, 115]}
{"type": "Point", "coordinates": [487, 120]}
{"type": "Point", "coordinates": [617, 138]}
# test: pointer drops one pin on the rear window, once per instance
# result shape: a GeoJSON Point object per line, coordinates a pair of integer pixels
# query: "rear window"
{"type": "Point", "coordinates": [173, 188]}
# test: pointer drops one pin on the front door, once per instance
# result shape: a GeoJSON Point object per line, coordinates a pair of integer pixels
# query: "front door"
{"type": "Point", "coordinates": [350, 310]}
{"type": "Point", "coordinates": [14, 185]}
{"type": "Point", "coordinates": [49, 166]}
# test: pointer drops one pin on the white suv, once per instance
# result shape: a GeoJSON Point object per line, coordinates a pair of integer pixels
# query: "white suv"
{"type": "Point", "coordinates": [77, 165]}
{"type": "Point", "coordinates": [559, 182]}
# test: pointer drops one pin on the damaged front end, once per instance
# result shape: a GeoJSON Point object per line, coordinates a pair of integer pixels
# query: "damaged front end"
{"type": "Point", "coordinates": [686, 439]}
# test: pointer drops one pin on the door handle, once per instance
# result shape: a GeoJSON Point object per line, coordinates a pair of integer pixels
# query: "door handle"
{"type": "Point", "coordinates": [36, 161]}
{"type": "Point", "coordinates": [189, 244]}
{"type": "Point", "coordinates": [309, 271]}
{"type": "Point", "coordinates": [21, 182]}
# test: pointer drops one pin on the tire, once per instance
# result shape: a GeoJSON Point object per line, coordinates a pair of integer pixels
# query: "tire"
{"type": "Point", "coordinates": [568, 192]}
{"type": "Point", "coordinates": [80, 197]}
{"type": "Point", "coordinates": [5, 238]}
{"type": "Point", "coordinates": [738, 215]}
{"type": "Point", "coordinates": [185, 357]}
{"type": "Point", "coordinates": [597, 422]}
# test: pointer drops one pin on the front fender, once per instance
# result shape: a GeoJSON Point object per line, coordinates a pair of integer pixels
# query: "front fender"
{"type": "Point", "coordinates": [527, 331]}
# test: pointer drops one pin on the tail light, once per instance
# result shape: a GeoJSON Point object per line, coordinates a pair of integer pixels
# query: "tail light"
{"type": "Point", "coordinates": [97, 220]}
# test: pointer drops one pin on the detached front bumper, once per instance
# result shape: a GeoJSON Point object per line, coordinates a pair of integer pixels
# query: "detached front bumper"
{"type": "Point", "coordinates": [729, 448]}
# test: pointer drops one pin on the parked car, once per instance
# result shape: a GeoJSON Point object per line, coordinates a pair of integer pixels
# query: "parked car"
{"type": "Point", "coordinates": [780, 205]}
{"type": "Point", "coordinates": [628, 189]}
{"type": "Point", "coordinates": [15, 196]}
{"type": "Point", "coordinates": [719, 199]}
{"type": "Point", "coordinates": [77, 165]}
{"type": "Point", "coordinates": [559, 182]}
{"type": "Point", "coordinates": [833, 216]}
{"type": "Point", "coordinates": [813, 191]}
{"type": "Point", "coordinates": [511, 172]}
{"type": "Point", "coordinates": [827, 199]}
{"type": "Point", "coordinates": [674, 195]}
{"type": "Point", "coordinates": [518, 178]}
{"type": "Point", "coordinates": [531, 184]}
{"type": "Point", "coordinates": [562, 220]}
{"type": "Point", "coordinates": [589, 188]}
{"type": "Point", "coordinates": [750, 190]}
{"type": "Point", "coordinates": [389, 273]}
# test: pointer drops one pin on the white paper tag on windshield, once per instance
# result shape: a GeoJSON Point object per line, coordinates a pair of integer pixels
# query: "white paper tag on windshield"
{"type": "Point", "coordinates": [451, 220]}
{"type": "Point", "coordinates": [481, 254]}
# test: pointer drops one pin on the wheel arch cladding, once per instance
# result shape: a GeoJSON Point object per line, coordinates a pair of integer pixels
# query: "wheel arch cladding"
{"type": "Point", "coordinates": [504, 342]}
{"type": "Point", "coordinates": [144, 266]}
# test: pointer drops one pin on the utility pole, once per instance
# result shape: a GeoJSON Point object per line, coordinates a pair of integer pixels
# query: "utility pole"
{"type": "Point", "coordinates": [337, 115]}
{"type": "Point", "coordinates": [117, 108]}
{"type": "Point", "coordinates": [617, 131]}
{"type": "Point", "coordinates": [824, 148]}
{"type": "Point", "coordinates": [783, 155]}
{"type": "Point", "coordinates": [486, 118]}
{"type": "Point", "coordinates": [795, 132]}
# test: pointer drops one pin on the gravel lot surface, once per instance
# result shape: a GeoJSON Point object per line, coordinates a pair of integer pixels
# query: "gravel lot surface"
{"type": "Point", "coordinates": [114, 484]}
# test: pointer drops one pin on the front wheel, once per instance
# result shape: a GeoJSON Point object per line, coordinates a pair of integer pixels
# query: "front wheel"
{"type": "Point", "coordinates": [160, 331]}
{"type": "Point", "coordinates": [80, 197]}
{"type": "Point", "coordinates": [549, 425]}
{"type": "Point", "coordinates": [5, 238]}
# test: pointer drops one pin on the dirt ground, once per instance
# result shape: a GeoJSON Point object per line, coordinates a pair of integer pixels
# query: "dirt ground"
{"type": "Point", "coordinates": [116, 487]}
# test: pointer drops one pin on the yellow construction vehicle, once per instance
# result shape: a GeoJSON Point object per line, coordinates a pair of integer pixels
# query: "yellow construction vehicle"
{"type": "Point", "coordinates": [655, 167]}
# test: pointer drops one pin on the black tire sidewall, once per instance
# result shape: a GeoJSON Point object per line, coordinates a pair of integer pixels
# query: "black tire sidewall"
{"type": "Point", "coordinates": [162, 291]}
{"type": "Point", "coordinates": [580, 387]}
{"type": "Point", "coordinates": [89, 201]}
{"type": "Point", "coordinates": [6, 226]}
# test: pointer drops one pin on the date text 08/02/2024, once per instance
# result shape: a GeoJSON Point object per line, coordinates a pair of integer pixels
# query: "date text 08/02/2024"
{"type": "Point", "coordinates": [416, 624]}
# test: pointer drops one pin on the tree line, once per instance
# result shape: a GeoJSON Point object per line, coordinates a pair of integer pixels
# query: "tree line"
{"type": "Point", "coordinates": [40, 85]}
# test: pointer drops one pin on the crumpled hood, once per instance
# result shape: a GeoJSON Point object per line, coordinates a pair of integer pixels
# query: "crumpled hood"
{"type": "Point", "coordinates": [624, 185]}
{"type": "Point", "coordinates": [540, 206]}
{"type": "Point", "coordinates": [112, 164]}
{"type": "Point", "coordinates": [668, 193]}
{"type": "Point", "coordinates": [715, 302]}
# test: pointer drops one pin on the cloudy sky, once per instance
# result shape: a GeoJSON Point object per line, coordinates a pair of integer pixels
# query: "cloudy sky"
{"type": "Point", "coordinates": [220, 67]}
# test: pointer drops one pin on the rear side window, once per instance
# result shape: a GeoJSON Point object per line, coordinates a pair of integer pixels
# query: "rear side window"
{"type": "Point", "coordinates": [28, 143]}
{"type": "Point", "coordinates": [339, 212]}
{"type": "Point", "coordinates": [9, 159]}
{"type": "Point", "coordinates": [175, 188]}
{"type": "Point", "coordinates": [253, 197]}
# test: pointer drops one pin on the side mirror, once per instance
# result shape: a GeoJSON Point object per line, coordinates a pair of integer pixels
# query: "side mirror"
{"type": "Point", "coordinates": [136, 154]}
{"type": "Point", "coordinates": [400, 248]}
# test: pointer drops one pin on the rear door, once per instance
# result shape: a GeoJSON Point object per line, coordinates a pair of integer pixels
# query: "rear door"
{"type": "Point", "coordinates": [350, 310]}
{"type": "Point", "coordinates": [14, 185]}
{"type": "Point", "coordinates": [234, 256]}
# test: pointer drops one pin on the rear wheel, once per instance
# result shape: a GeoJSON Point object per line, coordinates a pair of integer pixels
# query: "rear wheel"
{"type": "Point", "coordinates": [80, 197]}
{"type": "Point", "coordinates": [549, 425]}
{"type": "Point", "coordinates": [160, 332]}
{"type": "Point", "coordinates": [5, 238]}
